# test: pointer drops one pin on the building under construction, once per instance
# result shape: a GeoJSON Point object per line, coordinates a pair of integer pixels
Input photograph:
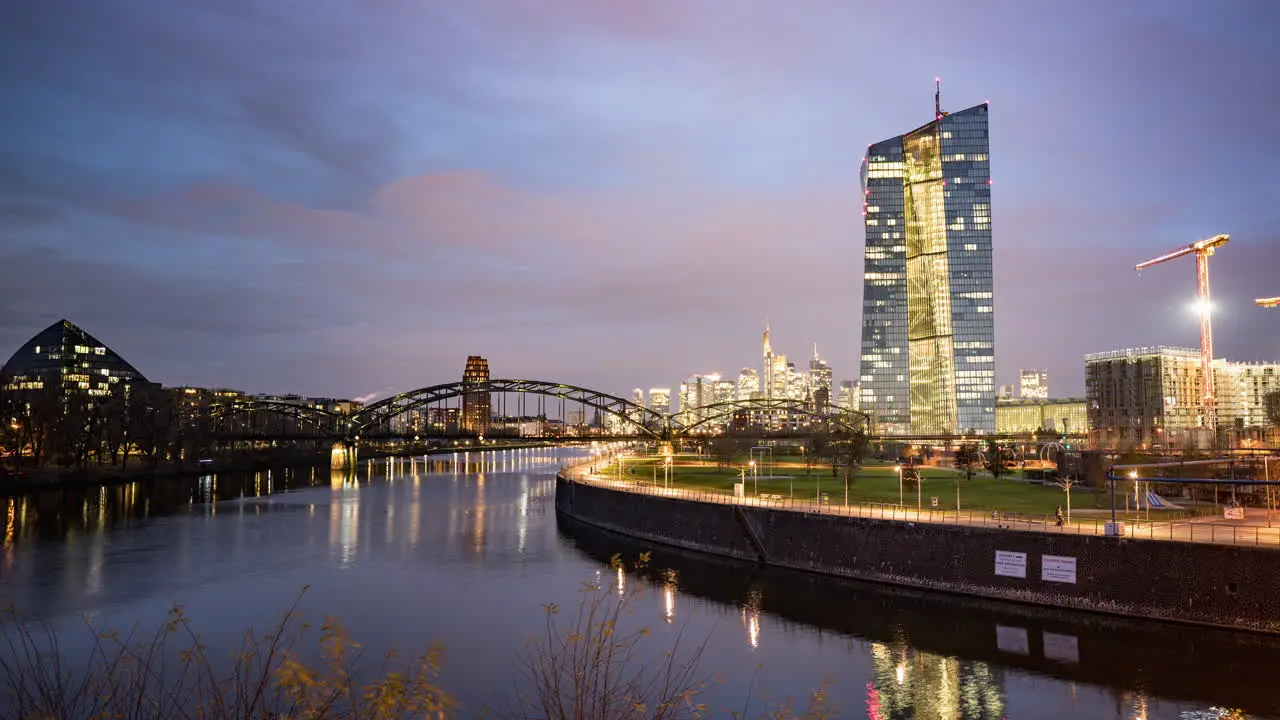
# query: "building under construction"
{"type": "Point", "coordinates": [1152, 398]}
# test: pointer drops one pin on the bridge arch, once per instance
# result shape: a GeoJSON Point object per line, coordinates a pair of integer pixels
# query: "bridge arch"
{"type": "Point", "coordinates": [842, 418]}
{"type": "Point", "coordinates": [645, 421]}
{"type": "Point", "coordinates": [323, 421]}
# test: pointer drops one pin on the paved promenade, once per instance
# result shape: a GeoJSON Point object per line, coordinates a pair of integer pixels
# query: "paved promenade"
{"type": "Point", "coordinates": [1253, 530]}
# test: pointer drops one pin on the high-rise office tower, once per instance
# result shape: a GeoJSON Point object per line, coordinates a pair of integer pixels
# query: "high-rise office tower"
{"type": "Point", "coordinates": [844, 398]}
{"type": "Point", "coordinates": [768, 364]}
{"type": "Point", "coordinates": [660, 400]}
{"type": "Point", "coordinates": [819, 380]}
{"type": "Point", "coordinates": [1034, 383]}
{"type": "Point", "coordinates": [928, 338]}
{"type": "Point", "coordinates": [475, 405]}
{"type": "Point", "coordinates": [748, 383]}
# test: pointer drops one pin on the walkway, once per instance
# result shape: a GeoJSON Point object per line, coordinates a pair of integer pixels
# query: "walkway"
{"type": "Point", "coordinates": [1253, 531]}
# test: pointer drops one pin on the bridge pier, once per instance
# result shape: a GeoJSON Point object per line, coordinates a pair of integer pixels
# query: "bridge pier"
{"type": "Point", "coordinates": [344, 455]}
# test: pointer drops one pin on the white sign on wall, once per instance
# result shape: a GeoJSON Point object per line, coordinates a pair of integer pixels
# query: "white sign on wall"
{"type": "Point", "coordinates": [1063, 648]}
{"type": "Point", "coordinates": [1056, 568]}
{"type": "Point", "coordinates": [1012, 640]}
{"type": "Point", "coordinates": [1233, 513]}
{"type": "Point", "coordinates": [1011, 564]}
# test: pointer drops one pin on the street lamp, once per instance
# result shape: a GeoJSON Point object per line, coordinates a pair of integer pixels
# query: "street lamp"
{"type": "Point", "coordinates": [754, 477]}
{"type": "Point", "coordinates": [666, 473]}
{"type": "Point", "coordinates": [899, 469]}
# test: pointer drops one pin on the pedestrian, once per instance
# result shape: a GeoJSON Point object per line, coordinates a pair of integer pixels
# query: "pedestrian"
{"type": "Point", "coordinates": [1058, 514]}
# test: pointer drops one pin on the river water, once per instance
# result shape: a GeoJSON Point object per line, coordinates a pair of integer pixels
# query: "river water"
{"type": "Point", "coordinates": [464, 550]}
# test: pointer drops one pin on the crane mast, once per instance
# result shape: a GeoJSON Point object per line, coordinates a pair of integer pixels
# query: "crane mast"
{"type": "Point", "coordinates": [1268, 302]}
{"type": "Point", "coordinates": [1202, 249]}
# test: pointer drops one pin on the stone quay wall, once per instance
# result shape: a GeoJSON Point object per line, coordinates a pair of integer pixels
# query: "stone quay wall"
{"type": "Point", "coordinates": [1201, 583]}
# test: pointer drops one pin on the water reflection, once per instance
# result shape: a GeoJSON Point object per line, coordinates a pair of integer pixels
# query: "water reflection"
{"type": "Point", "coordinates": [451, 548]}
{"type": "Point", "coordinates": [944, 656]}
{"type": "Point", "coordinates": [910, 683]}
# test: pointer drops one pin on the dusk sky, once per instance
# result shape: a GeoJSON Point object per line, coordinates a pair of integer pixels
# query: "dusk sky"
{"type": "Point", "coordinates": [348, 198]}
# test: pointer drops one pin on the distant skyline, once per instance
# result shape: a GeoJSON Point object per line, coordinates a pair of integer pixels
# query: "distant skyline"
{"type": "Point", "coordinates": [347, 199]}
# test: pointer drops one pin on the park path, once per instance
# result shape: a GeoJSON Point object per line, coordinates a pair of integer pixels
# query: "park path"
{"type": "Point", "coordinates": [1255, 529]}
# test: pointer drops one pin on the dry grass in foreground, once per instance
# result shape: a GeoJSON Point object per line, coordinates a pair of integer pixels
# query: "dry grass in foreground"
{"type": "Point", "coordinates": [583, 667]}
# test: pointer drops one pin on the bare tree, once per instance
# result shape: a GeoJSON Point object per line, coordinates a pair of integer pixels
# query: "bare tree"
{"type": "Point", "coordinates": [1066, 483]}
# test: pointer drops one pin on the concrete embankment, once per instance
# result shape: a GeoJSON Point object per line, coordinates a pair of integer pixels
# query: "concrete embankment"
{"type": "Point", "coordinates": [1200, 583]}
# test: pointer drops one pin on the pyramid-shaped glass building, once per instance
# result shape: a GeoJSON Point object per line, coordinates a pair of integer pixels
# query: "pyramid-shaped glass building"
{"type": "Point", "coordinates": [65, 358]}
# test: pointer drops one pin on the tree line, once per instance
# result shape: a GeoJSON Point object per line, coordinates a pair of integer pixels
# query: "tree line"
{"type": "Point", "coordinates": [140, 422]}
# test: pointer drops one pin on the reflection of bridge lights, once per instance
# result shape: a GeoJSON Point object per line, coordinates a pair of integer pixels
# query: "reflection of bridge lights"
{"type": "Point", "coordinates": [10, 524]}
{"type": "Point", "coordinates": [900, 673]}
{"type": "Point", "coordinates": [669, 600]}
{"type": "Point", "coordinates": [753, 630]}
{"type": "Point", "coordinates": [622, 581]}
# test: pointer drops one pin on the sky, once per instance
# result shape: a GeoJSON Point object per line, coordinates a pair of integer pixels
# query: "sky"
{"type": "Point", "coordinates": [348, 198]}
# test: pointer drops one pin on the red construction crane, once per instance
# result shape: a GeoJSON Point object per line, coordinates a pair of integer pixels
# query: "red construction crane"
{"type": "Point", "coordinates": [1268, 302]}
{"type": "Point", "coordinates": [1202, 250]}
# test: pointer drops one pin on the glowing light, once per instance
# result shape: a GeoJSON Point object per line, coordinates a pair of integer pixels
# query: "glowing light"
{"type": "Point", "coordinates": [1201, 307]}
{"type": "Point", "coordinates": [622, 581]}
{"type": "Point", "coordinates": [669, 600]}
{"type": "Point", "coordinates": [901, 673]}
{"type": "Point", "coordinates": [1133, 474]}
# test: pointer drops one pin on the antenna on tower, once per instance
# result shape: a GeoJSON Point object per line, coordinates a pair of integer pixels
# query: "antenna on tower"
{"type": "Point", "coordinates": [815, 351]}
{"type": "Point", "coordinates": [937, 98]}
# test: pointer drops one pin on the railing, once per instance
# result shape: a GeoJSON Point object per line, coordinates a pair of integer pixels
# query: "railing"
{"type": "Point", "coordinates": [1165, 530]}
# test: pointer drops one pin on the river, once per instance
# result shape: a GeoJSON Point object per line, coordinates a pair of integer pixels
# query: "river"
{"type": "Point", "coordinates": [464, 550]}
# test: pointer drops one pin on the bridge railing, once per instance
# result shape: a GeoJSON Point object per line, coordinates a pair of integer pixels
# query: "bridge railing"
{"type": "Point", "coordinates": [1156, 529]}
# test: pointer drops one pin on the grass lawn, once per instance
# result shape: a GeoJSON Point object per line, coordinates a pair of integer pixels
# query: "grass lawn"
{"type": "Point", "coordinates": [871, 484]}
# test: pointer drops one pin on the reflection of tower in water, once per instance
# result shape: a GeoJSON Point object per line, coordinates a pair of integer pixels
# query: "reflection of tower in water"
{"type": "Point", "coordinates": [751, 616]}
{"type": "Point", "coordinates": [478, 512]}
{"type": "Point", "coordinates": [669, 585]}
{"type": "Point", "coordinates": [344, 516]}
{"type": "Point", "coordinates": [908, 683]}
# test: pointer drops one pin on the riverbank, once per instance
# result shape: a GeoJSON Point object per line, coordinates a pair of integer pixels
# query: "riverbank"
{"type": "Point", "coordinates": [38, 479]}
{"type": "Point", "coordinates": [1202, 583]}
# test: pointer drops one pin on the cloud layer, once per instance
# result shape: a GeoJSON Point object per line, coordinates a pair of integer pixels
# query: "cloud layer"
{"type": "Point", "coordinates": [349, 198]}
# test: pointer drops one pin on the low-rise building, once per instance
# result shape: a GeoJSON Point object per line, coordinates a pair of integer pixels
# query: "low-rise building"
{"type": "Point", "coordinates": [1027, 415]}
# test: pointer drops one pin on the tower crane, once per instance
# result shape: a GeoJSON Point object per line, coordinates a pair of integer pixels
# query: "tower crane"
{"type": "Point", "coordinates": [1202, 249]}
{"type": "Point", "coordinates": [1268, 302]}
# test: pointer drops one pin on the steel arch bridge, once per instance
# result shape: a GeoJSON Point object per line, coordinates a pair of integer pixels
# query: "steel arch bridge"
{"type": "Point", "coordinates": [646, 422]}
{"type": "Point", "coordinates": [322, 421]}
{"type": "Point", "coordinates": [842, 418]}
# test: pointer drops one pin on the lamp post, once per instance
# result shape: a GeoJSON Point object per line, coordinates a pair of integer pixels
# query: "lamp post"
{"type": "Point", "coordinates": [899, 469]}
{"type": "Point", "coordinates": [1266, 475]}
{"type": "Point", "coordinates": [666, 473]}
{"type": "Point", "coordinates": [755, 478]}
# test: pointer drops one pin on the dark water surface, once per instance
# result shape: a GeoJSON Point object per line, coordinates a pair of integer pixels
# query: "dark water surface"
{"type": "Point", "coordinates": [465, 551]}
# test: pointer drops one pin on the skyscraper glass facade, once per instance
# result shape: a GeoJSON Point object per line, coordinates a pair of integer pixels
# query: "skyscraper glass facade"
{"type": "Point", "coordinates": [928, 336]}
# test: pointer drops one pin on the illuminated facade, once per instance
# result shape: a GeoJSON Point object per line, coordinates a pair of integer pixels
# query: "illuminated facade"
{"type": "Point", "coordinates": [819, 380]}
{"type": "Point", "coordinates": [70, 362]}
{"type": "Point", "coordinates": [1034, 383]}
{"type": "Point", "coordinates": [1025, 415]}
{"type": "Point", "coordinates": [660, 400]}
{"type": "Point", "coordinates": [1143, 396]}
{"type": "Point", "coordinates": [928, 336]}
{"type": "Point", "coordinates": [748, 384]}
{"type": "Point", "coordinates": [475, 405]}
{"type": "Point", "coordinates": [847, 397]}
{"type": "Point", "coordinates": [1149, 397]}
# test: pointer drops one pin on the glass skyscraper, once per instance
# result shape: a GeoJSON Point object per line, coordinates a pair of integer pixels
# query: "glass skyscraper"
{"type": "Point", "coordinates": [928, 337]}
